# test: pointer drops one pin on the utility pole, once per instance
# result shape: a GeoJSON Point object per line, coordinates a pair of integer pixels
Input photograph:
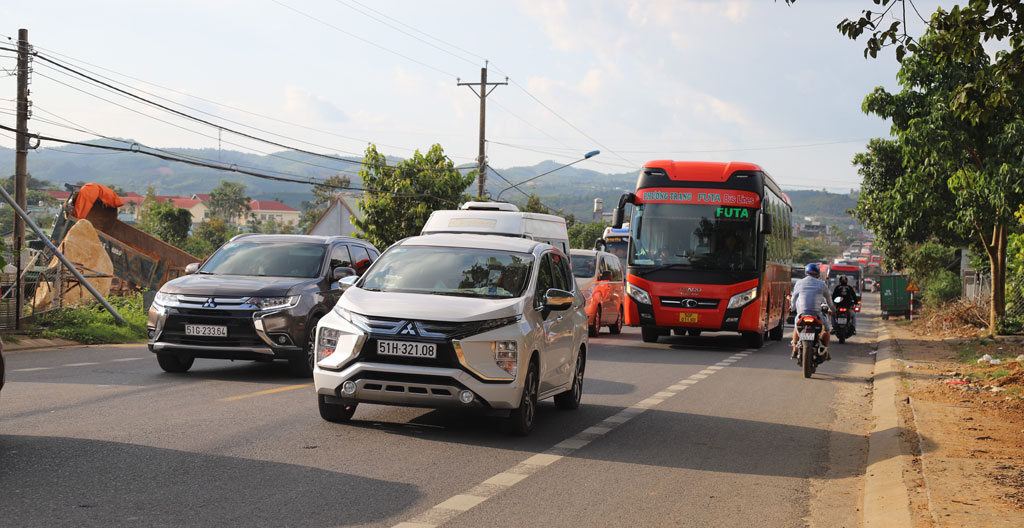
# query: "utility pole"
{"type": "Point", "coordinates": [482, 94]}
{"type": "Point", "coordinates": [21, 167]}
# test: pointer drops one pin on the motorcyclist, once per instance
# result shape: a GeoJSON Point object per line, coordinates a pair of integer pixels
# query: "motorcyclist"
{"type": "Point", "coordinates": [809, 293]}
{"type": "Point", "coordinates": [848, 297]}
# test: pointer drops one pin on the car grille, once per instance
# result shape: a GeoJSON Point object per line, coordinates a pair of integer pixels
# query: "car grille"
{"type": "Point", "coordinates": [689, 302]}
{"type": "Point", "coordinates": [404, 329]}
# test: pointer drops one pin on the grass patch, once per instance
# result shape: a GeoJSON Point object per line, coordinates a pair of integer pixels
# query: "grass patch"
{"type": "Point", "coordinates": [92, 324]}
{"type": "Point", "coordinates": [996, 374]}
{"type": "Point", "coordinates": [8, 338]}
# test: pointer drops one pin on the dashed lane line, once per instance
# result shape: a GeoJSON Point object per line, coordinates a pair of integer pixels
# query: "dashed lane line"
{"type": "Point", "coordinates": [84, 364]}
{"type": "Point", "coordinates": [455, 506]}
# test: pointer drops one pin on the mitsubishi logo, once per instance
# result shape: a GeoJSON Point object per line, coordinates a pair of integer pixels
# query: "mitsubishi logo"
{"type": "Point", "coordinates": [408, 329]}
{"type": "Point", "coordinates": [690, 303]}
{"type": "Point", "coordinates": [209, 303]}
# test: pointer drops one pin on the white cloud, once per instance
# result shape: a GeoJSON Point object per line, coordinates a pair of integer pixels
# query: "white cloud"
{"type": "Point", "coordinates": [303, 103]}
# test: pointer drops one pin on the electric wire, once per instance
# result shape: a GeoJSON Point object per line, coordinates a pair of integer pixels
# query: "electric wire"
{"type": "Point", "coordinates": [705, 151]}
{"type": "Point", "coordinates": [138, 149]}
{"type": "Point", "coordinates": [79, 62]}
{"type": "Point", "coordinates": [353, 35]}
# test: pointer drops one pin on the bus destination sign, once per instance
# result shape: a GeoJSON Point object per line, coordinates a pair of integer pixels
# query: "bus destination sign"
{"type": "Point", "coordinates": [699, 196]}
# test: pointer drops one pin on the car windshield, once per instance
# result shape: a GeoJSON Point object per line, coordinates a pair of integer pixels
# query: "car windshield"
{"type": "Point", "coordinates": [267, 259]}
{"type": "Point", "coordinates": [694, 236]}
{"type": "Point", "coordinates": [467, 272]}
{"type": "Point", "coordinates": [583, 266]}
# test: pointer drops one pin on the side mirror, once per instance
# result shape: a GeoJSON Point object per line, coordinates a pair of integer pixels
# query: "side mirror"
{"type": "Point", "coordinates": [341, 272]}
{"type": "Point", "coordinates": [347, 282]}
{"type": "Point", "coordinates": [620, 210]}
{"type": "Point", "coordinates": [605, 275]}
{"type": "Point", "coordinates": [191, 268]}
{"type": "Point", "coordinates": [555, 299]}
{"type": "Point", "coordinates": [617, 218]}
{"type": "Point", "coordinates": [765, 219]}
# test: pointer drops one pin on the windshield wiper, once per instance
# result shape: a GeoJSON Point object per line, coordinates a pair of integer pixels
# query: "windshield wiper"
{"type": "Point", "coordinates": [674, 265]}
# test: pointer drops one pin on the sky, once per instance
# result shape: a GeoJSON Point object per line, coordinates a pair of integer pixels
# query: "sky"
{"type": "Point", "coordinates": [730, 80]}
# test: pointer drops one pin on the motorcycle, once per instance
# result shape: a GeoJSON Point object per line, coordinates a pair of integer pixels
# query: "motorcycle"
{"type": "Point", "coordinates": [811, 352]}
{"type": "Point", "coordinates": [844, 320]}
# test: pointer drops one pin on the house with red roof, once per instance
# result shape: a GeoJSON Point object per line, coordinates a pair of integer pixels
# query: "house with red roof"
{"type": "Point", "coordinates": [263, 210]}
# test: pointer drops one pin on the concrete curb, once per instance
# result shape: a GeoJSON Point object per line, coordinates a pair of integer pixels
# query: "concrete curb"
{"type": "Point", "coordinates": [26, 344]}
{"type": "Point", "coordinates": [886, 500]}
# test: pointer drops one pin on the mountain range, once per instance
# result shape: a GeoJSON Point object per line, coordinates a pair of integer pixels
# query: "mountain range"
{"type": "Point", "coordinates": [569, 189]}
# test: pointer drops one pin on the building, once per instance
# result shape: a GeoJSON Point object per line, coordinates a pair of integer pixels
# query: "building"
{"type": "Point", "coordinates": [263, 210]}
{"type": "Point", "coordinates": [337, 219]}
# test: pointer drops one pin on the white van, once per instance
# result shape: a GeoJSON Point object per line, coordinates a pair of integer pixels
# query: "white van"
{"type": "Point", "coordinates": [500, 218]}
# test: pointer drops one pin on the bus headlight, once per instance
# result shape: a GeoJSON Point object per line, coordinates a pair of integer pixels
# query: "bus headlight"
{"type": "Point", "coordinates": [743, 298]}
{"type": "Point", "coordinates": [638, 294]}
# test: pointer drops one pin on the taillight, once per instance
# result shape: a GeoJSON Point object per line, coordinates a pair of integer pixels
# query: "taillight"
{"type": "Point", "coordinates": [808, 319]}
{"type": "Point", "coordinates": [856, 308]}
{"type": "Point", "coordinates": [842, 309]}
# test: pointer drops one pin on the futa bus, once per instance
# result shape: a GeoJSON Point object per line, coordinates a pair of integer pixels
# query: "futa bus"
{"type": "Point", "coordinates": [709, 249]}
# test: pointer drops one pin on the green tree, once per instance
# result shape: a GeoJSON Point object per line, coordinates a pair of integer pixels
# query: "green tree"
{"type": "Point", "coordinates": [583, 236]}
{"type": "Point", "coordinates": [323, 195]}
{"type": "Point", "coordinates": [400, 198]}
{"type": "Point", "coordinates": [208, 236]}
{"type": "Point", "coordinates": [229, 201]}
{"type": "Point", "coordinates": [808, 250]}
{"type": "Point", "coordinates": [978, 157]}
{"type": "Point", "coordinates": [31, 184]}
{"type": "Point", "coordinates": [167, 222]}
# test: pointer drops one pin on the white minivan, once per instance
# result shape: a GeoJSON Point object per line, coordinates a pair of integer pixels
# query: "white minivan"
{"type": "Point", "coordinates": [500, 218]}
{"type": "Point", "coordinates": [456, 320]}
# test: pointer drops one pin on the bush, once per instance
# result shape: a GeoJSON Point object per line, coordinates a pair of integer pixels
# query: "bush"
{"type": "Point", "coordinates": [92, 324]}
{"type": "Point", "coordinates": [941, 288]}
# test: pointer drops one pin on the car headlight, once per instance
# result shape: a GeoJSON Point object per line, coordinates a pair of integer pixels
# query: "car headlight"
{"type": "Point", "coordinates": [743, 298]}
{"type": "Point", "coordinates": [162, 299]}
{"type": "Point", "coordinates": [326, 342]}
{"type": "Point", "coordinates": [353, 318]}
{"type": "Point", "coordinates": [638, 294]}
{"type": "Point", "coordinates": [274, 303]}
{"type": "Point", "coordinates": [506, 355]}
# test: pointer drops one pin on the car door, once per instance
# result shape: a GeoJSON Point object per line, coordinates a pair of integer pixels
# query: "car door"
{"type": "Point", "coordinates": [340, 258]}
{"type": "Point", "coordinates": [614, 288]}
{"type": "Point", "coordinates": [546, 281]}
{"type": "Point", "coordinates": [563, 328]}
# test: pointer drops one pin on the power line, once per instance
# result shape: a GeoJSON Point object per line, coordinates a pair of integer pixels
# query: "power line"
{"type": "Point", "coordinates": [400, 30]}
{"type": "Point", "coordinates": [741, 149]}
{"type": "Point", "coordinates": [353, 35]}
{"type": "Point", "coordinates": [228, 168]}
{"type": "Point", "coordinates": [223, 105]}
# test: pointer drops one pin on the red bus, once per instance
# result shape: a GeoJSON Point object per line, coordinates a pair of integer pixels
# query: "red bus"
{"type": "Point", "coordinates": [709, 249]}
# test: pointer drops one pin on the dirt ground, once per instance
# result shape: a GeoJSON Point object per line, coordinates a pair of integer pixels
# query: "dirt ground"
{"type": "Point", "coordinates": [964, 424]}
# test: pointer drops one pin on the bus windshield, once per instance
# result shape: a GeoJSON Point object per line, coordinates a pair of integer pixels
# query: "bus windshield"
{"type": "Point", "coordinates": [694, 236]}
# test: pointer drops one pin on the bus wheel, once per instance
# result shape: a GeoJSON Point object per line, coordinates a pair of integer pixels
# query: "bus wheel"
{"type": "Point", "coordinates": [775, 334]}
{"type": "Point", "coordinates": [694, 332]}
{"type": "Point", "coordinates": [754, 339]}
{"type": "Point", "coordinates": [649, 335]}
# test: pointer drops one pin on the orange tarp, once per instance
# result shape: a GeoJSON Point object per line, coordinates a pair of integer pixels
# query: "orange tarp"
{"type": "Point", "coordinates": [91, 192]}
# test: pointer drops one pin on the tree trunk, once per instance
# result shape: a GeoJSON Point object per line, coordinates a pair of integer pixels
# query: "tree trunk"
{"type": "Point", "coordinates": [997, 260]}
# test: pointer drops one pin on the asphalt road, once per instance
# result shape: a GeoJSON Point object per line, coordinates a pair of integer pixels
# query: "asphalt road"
{"type": "Point", "coordinates": [685, 432]}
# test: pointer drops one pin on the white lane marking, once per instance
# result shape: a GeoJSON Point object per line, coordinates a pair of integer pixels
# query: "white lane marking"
{"type": "Point", "coordinates": [453, 507]}
{"type": "Point", "coordinates": [716, 367]}
{"type": "Point", "coordinates": [461, 502]}
{"type": "Point", "coordinates": [79, 364]}
{"type": "Point", "coordinates": [33, 369]}
{"type": "Point", "coordinates": [128, 359]}
{"type": "Point", "coordinates": [725, 363]}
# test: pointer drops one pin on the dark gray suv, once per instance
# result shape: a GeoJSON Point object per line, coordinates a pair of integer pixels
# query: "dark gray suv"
{"type": "Point", "coordinates": [258, 297]}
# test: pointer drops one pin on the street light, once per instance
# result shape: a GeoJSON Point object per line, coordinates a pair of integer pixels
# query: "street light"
{"type": "Point", "coordinates": [586, 156]}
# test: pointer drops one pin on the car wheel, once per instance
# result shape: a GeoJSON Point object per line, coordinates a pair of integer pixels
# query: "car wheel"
{"type": "Point", "coordinates": [174, 363]}
{"type": "Point", "coordinates": [649, 335]}
{"type": "Point", "coordinates": [616, 327]}
{"type": "Point", "coordinates": [594, 329]}
{"type": "Point", "coordinates": [302, 367]}
{"type": "Point", "coordinates": [335, 412]}
{"type": "Point", "coordinates": [570, 399]}
{"type": "Point", "coordinates": [521, 420]}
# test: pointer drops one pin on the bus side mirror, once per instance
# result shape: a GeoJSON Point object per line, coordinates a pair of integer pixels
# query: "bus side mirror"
{"type": "Point", "coordinates": [619, 211]}
{"type": "Point", "coordinates": [765, 219]}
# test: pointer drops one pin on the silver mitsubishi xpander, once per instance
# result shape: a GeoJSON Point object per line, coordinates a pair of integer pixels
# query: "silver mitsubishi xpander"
{"type": "Point", "coordinates": [456, 320]}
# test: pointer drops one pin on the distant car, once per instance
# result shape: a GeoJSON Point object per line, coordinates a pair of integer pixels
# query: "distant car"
{"type": "Point", "coordinates": [258, 297]}
{"type": "Point", "coordinates": [869, 284]}
{"type": "Point", "coordinates": [468, 321]}
{"type": "Point", "coordinates": [598, 275]}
